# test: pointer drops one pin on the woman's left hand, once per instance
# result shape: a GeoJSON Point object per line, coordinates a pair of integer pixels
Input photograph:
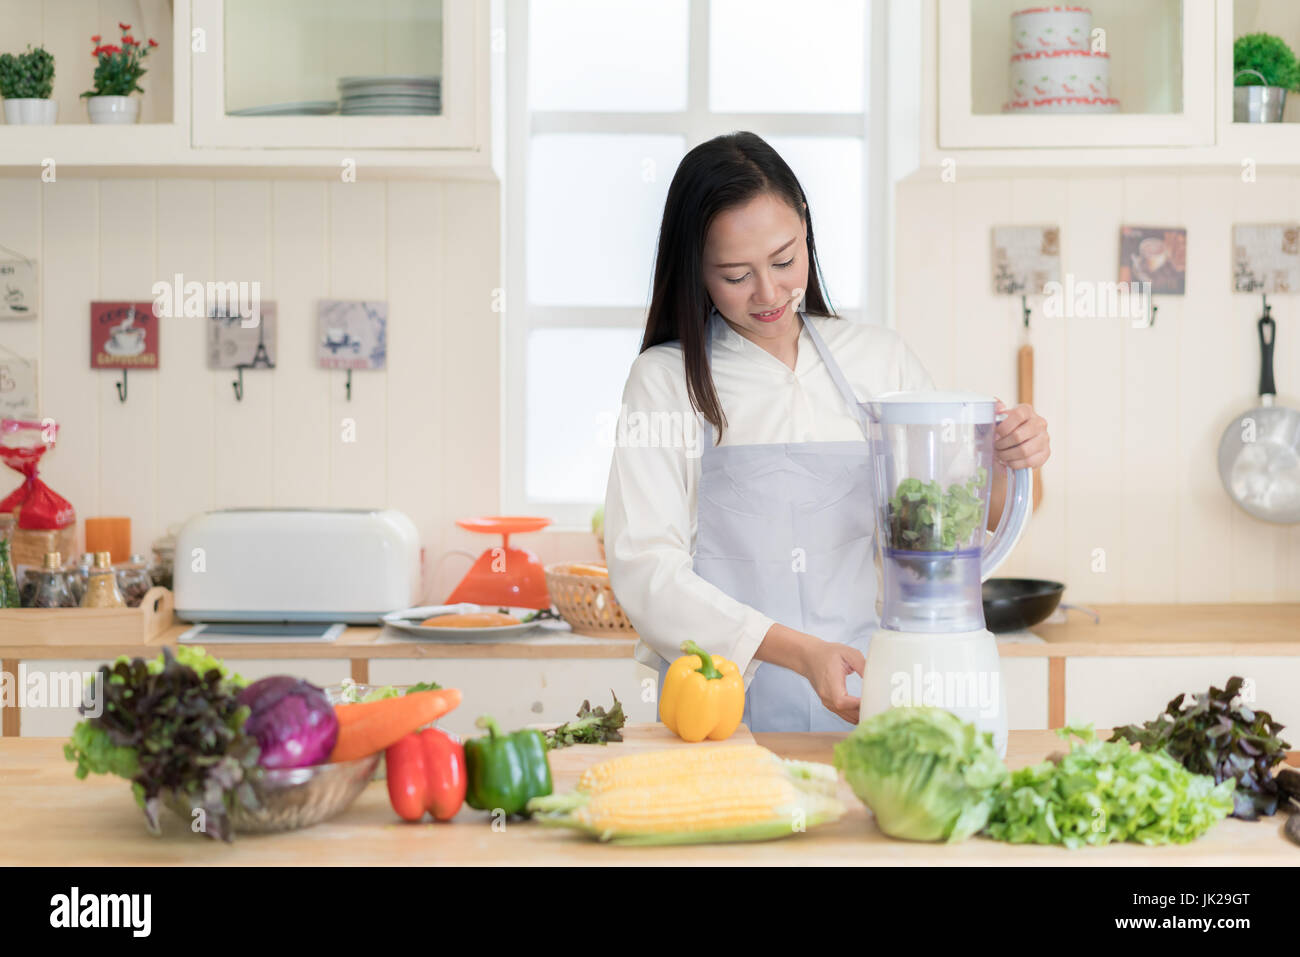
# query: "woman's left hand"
{"type": "Point", "coordinates": [1020, 440]}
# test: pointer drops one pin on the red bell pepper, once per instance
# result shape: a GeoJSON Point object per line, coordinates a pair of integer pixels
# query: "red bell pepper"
{"type": "Point", "coordinates": [426, 773]}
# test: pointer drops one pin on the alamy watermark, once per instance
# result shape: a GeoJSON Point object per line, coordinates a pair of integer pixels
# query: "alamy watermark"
{"type": "Point", "coordinates": [978, 691]}
{"type": "Point", "coordinates": [1091, 299]}
{"type": "Point", "coordinates": [32, 688]}
{"type": "Point", "coordinates": [177, 298]}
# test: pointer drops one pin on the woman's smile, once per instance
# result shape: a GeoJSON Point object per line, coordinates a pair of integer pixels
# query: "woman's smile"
{"type": "Point", "coordinates": [771, 316]}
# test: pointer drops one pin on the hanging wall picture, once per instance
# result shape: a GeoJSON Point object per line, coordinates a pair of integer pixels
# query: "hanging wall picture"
{"type": "Point", "coordinates": [123, 335]}
{"type": "Point", "coordinates": [1266, 258]}
{"type": "Point", "coordinates": [1157, 255]}
{"type": "Point", "coordinates": [1025, 258]}
{"type": "Point", "coordinates": [18, 289]}
{"type": "Point", "coordinates": [236, 342]}
{"type": "Point", "coordinates": [17, 387]}
{"type": "Point", "coordinates": [352, 334]}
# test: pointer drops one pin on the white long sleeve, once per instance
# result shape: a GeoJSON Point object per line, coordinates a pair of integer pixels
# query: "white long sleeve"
{"type": "Point", "coordinates": [650, 502]}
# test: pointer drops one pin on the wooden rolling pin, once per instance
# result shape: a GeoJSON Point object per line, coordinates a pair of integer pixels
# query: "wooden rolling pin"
{"type": "Point", "coordinates": [1025, 394]}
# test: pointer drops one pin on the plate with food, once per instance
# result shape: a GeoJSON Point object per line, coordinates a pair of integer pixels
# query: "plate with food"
{"type": "Point", "coordinates": [465, 622]}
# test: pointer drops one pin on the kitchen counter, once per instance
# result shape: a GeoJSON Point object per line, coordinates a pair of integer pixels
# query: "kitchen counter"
{"type": "Point", "coordinates": [51, 818]}
{"type": "Point", "coordinates": [1129, 630]}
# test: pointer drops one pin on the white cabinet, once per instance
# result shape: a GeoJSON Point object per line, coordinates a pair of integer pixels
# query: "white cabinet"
{"type": "Point", "coordinates": [1107, 692]}
{"type": "Point", "coordinates": [1159, 55]}
{"type": "Point", "coordinates": [1170, 66]}
{"type": "Point", "coordinates": [257, 55]}
{"type": "Point", "coordinates": [520, 691]}
{"type": "Point", "coordinates": [218, 57]}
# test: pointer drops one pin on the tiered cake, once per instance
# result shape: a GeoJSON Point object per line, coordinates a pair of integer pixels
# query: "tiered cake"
{"type": "Point", "coordinates": [1053, 68]}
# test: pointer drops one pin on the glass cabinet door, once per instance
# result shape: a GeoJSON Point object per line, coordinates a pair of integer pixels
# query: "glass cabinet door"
{"type": "Point", "coordinates": [1104, 73]}
{"type": "Point", "coordinates": [380, 74]}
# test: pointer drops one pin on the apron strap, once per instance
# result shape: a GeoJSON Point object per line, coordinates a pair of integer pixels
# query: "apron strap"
{"type": "Point", "coordinates": [828, 358]}
{"type": "Point", "coordinates": [837, 375]}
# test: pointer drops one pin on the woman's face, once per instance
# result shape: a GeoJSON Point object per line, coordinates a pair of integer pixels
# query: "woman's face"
{"type": "Point", "coordinates": [756, 266]}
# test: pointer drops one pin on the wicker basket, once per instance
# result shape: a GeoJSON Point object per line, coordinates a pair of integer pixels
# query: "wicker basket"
{"type": "Point", "coordinates": [587, 603]}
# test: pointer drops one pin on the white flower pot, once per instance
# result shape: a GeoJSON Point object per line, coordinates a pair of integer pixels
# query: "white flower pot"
{"type": "Point", "coordinates": [31, 112]}
{"type": "Point", "coordinates": [113, 109]}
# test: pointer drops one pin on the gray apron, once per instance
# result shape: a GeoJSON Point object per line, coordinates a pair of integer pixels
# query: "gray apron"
{"type": "Point", "coordinates": [787, 529]}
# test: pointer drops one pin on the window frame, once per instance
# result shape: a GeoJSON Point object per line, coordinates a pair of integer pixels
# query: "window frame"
{"type": "Point", "coordinates": [697, 124]}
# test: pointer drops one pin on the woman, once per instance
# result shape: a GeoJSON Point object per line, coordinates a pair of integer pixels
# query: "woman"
{"type": "Point", "coordinates": [759, 547]}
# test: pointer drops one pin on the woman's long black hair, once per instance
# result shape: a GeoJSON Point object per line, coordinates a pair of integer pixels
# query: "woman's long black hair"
{"type": "Point", "coordinates": [722, 173]}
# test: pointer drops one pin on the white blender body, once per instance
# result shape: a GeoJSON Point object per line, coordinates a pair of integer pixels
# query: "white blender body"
{"type": "Point", "coordinates": [932, 454]}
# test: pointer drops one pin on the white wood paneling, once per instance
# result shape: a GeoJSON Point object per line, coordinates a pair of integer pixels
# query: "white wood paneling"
{"type": "Point", "coordinates": [358, 440]}
{"type": "Point", "coordinates": [20, 237]}
{"type": "Point", "coordinates": [469, 366]}
{"type": "Point", "coordinates": [242, 430]}
{"type": "Point", "coordinates": [1039, 555]}
{"type": "Point", "coordinates": [1258, 553]}
{"type": "Point", "coordinates": [1148, 429]}
{"type": "Point", "coordinates": [1135, 414]}
{"type": "Point", "coordinates": [427, 429]}
{"type": "Point", "coordinates": [1205, 345]}
{"type": "Point", "coordinates": [301, 414]}
{"type": "Point", "coordinates": [414, 421]}
{"type": "Point", "coordinates": [70, 392]}
{"type": "Point", "coordinates": [183, 445]}
{"type": "Point", "coordinates": [128, 476]}
{"type": "Point", "coordinates": [924, 236]}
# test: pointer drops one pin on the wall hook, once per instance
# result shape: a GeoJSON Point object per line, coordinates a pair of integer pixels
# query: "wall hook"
{"type": "Point", "coordinates": [239, 385]}
{"type": "Point", "coordinates": [1024, 306]}
{"type": "Point", "coordinates": [348, 385]}
{"type": "Point", "coordinates": [1267, 307]}
{"type": "Point", "coordinates": [121, 388]}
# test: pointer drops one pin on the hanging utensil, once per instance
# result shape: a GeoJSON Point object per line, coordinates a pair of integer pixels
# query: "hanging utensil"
{"type": "Point", "coordinates": [1025, 388]}
{"type": "Point", "coordinates": [1259, 454]}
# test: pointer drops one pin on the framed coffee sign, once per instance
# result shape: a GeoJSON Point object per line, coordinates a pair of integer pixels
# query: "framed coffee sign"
{"type": "Point", "coordinates": [123, 335]}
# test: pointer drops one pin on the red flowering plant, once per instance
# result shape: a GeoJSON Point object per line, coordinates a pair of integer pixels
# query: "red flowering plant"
{"type": "Point", "coordinates": [120, 64]}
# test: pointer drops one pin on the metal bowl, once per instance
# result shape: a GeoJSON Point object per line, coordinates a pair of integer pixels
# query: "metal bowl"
{"type": "Point", "coordinates": [294, 798]}
{"type": "Point", "coordinates": [335, 693]}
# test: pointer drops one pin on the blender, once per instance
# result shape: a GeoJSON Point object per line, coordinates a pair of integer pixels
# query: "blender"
{"type": "Point", "coordinates": [932, 461]}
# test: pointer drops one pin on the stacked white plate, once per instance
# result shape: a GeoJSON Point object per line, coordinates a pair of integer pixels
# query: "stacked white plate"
{"type": "Point", "coordinates": [392, 95]}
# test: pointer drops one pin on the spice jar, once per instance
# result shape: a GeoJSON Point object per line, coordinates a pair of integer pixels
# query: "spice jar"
{"type": "Point", "coordinates": [52, 584]}
{"type": "Point", "coordinates": [101, 587]}
{"type": "Point", "coordinates": [133, 580]}
{"type": "Point", "coordinates": [78, 576]}
{"type": "Point", "coordinates": [27, 582]}
{"type": "Point", "coordinates": [164, 556]}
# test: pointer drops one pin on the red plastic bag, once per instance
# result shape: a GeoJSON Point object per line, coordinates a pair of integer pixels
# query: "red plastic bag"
{"type": "Point", "coordinates": [21, 446]}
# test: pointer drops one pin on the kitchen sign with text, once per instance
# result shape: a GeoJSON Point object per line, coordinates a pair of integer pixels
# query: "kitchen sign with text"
{"type": "Point", "coordinates": [123, 335]}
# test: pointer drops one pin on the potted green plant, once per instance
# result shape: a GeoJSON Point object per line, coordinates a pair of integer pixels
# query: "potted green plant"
{"type": "Point", "coordinates": [1264, 67]}
{"type": "Point", "coordinates": [26, 82]}
{"type": "Point", "coordinates": [117, 76]}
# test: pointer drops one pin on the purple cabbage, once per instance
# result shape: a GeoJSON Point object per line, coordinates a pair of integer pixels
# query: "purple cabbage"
{"type": "Point", "coordinates": [292, 720]}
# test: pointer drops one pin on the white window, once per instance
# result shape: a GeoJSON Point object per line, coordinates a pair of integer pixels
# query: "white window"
{"type": "Point", "coordinates": [603, 98]}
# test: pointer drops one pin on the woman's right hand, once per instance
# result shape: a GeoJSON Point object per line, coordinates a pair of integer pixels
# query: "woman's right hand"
{"type": "Point", "coordinates": [827, 666]}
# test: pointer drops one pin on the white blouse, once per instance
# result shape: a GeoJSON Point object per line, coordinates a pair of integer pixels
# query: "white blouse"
{"type": "Point", "coordinates": [650, 501]}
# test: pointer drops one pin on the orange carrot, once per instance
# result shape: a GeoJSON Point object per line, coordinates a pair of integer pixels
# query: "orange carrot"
{"type": "Point", "coordinates": [375, 725]}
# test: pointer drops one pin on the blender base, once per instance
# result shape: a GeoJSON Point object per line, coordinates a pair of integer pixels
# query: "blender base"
{"type": "Point", "coordinates": [959, 672]}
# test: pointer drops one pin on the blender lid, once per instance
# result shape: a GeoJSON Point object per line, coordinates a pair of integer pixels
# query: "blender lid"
{"type": "Point", "coordinates": [929, 407]}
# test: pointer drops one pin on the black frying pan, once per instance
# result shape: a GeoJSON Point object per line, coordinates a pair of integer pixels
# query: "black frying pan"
{"type": "Point", "coordinates": [1011, 604]}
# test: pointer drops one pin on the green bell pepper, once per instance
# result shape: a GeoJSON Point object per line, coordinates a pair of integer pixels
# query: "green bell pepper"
{"type": "Point", "coordinates": [505, 770]}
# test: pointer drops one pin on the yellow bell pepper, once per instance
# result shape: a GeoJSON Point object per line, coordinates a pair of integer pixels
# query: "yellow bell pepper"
{"type": "Point", "coordinates": [703, 696]}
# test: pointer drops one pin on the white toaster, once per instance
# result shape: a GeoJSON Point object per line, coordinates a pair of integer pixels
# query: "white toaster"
{"type": "Point", "coordinates": [296, 564]}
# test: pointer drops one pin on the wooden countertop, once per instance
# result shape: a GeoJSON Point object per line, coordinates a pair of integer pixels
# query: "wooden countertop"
{"type": "Point", "coordinates": [1156, 630]}
{"type": "Point", "coordinates": [51, 818]}
{"type": "Point", "coordinates": [1124, 630]}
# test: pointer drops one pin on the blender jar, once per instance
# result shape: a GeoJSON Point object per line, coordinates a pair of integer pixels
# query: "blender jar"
{"type": "Point", "coordinates": [932, 454]}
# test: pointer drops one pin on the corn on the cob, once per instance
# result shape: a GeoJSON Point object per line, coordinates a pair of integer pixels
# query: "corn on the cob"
{"type": "Point", "coordinates": [659, 766]}
{"type": "Point", "coordinates": [696, 795]}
